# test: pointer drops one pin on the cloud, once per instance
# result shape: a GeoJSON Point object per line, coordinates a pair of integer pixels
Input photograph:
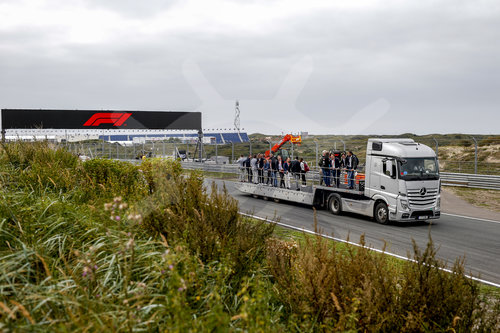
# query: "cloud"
{"type": "Point", "coordinates": [294, 65]}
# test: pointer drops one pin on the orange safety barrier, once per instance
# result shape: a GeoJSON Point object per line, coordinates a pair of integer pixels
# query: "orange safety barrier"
{"type": "Point", "coordinates": [359, 176]}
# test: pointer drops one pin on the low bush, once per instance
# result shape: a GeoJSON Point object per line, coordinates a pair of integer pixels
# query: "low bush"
{"type": "Point", "coordinates": [104, 179]}
{"type": "Point", "coordinates": [361, 290]}
{"type": "Point", "coordinates": [39, 166]}
{"type": "Point", "coordinates": [208, 223]}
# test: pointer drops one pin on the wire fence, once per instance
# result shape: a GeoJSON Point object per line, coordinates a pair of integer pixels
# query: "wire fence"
{"type": "Point", "coordinates": [463, 154]}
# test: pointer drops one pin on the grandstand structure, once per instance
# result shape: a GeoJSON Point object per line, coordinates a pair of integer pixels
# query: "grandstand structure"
{"type": "Point", "coordinates": [216, 136]}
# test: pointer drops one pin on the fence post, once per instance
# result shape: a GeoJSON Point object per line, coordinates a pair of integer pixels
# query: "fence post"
{"type": "Point", "coordinates": [117, 151]}
{"type": "Point", "coordinates": [216, 153]}
{"type": "Point", "coordinates": [292, 150]}
{"type": "Point", "coordinates": [317, 160]}
{"type": "Point", "coordinates": [232, 152]}
{"type": "Point", "coordinates": [250, 142]}
{"type": "Point", "coordinates": [437, 147]}
{"type": "Point", "coordinates": [475, 155]}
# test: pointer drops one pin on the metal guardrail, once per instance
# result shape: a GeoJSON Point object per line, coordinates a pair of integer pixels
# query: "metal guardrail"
{"type": "Point", "coordinates": [447, 178]}
{"type": "Point", "coordinates": [471, 180]}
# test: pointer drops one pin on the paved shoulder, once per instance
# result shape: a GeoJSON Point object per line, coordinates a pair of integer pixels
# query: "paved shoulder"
{"type": "Point", "coordinates": [452, 204]}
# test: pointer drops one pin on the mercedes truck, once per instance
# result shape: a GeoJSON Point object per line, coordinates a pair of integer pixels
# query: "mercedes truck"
{"type": "Point", "coordinates": [401, 184]}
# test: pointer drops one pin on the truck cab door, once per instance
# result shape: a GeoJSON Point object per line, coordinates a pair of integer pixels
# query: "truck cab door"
{"type": "Point", "coordinates": [389, 182]}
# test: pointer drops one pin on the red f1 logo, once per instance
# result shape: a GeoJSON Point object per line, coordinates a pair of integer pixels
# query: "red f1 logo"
{"type": "Point", "coordinates": [117, 119]}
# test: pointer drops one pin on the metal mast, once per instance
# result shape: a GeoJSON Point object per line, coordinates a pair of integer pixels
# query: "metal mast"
{"type": "Point", "coordinates": [237, 117]}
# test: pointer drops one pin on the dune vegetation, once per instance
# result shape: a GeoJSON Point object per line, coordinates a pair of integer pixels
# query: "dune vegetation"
{"type": "Point", "coordinates": [110, 246]}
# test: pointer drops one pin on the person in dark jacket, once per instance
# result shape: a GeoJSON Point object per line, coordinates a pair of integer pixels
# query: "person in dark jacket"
{"type": "Point", "coordinates": [352, 164]}
{"type": "Point", "coordinates": [260, 166]}
{"type": "Point", "coordinates": [274, 170]}
{"type": "Point", "coordinates": [282, 166]}
{"type": "Point", "coordinates": [295, 169]}
{"type": "Point", "coordinates": [336, 169]}
{"type": "Point", "coordinates": [248, 168]}
{"type": "Point", "coordinates": [325, 164]}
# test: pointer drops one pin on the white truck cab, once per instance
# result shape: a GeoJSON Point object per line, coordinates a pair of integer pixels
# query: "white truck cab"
{"type": "Point", "coordinates": [402, 179]}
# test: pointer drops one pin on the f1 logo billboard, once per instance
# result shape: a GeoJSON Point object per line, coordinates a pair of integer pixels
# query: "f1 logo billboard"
{"type": "Point", "coordinates": [97, 119]}
{"type": "Point", "coordinates": [115, 118]}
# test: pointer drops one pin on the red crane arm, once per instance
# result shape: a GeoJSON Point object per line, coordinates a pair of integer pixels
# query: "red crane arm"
{"type": "Point", "coordinates": [285, 139]}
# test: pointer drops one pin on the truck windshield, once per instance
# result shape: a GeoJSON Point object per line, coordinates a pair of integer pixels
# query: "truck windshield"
{"type": "Point", "coordinates": [418, 169]}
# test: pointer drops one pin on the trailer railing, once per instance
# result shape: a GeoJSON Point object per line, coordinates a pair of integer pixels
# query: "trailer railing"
{"type": "Point", "coordinates": [489, 182]}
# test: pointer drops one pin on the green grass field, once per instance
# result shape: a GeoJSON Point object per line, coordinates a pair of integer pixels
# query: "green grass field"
{"type": "Point", "coordinates": [110, 246]}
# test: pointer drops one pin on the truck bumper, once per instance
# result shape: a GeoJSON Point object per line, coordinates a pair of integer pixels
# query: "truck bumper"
{"type": "Point", "coordinates": [415, 215]}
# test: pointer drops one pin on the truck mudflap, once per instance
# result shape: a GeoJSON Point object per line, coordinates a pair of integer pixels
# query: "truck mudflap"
{"type": "Point", "coordinates": [265, 191]}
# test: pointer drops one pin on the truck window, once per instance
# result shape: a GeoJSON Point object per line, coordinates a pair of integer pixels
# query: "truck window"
{"type": "Point", "coordinates": [413, 169]}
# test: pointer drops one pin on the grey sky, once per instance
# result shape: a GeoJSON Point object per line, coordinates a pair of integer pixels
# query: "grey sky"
{"type": "Point", "coordinates": [338, 67]}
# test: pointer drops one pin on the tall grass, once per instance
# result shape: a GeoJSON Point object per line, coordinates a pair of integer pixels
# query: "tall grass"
{"type": "Point", "coordinates": [109, 246]}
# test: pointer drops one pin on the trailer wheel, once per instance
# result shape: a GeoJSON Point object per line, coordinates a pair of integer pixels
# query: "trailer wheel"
{"type": "Point", "coordinates": [382, 213]}
{"type": "Point", "coordinates": [335, 204]}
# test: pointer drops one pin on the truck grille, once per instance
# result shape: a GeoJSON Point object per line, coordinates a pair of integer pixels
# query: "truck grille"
{"type": "Point", "coordinates": [418, 200]}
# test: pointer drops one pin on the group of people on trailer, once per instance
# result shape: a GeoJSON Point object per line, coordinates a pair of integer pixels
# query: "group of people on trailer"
{"type": "Point", "coordinates": [333, 163]}
{"type": "Point", "coordinates": [258, 169]}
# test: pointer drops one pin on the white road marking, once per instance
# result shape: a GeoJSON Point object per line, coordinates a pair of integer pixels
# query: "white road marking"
{"type": "Point", "coordinates": [371, 248]}
{"type": "Point", "coordinates": [470, 217]}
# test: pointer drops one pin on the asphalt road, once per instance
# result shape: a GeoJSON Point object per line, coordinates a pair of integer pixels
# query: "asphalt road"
{"type": "Point", "coordinates": [476, 240]}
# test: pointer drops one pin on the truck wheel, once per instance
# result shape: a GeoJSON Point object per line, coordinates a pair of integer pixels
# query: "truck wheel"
{"type": "Point", "coordinates": [335, 204]}
{"type": "Point", "coordinates": [382, 213]}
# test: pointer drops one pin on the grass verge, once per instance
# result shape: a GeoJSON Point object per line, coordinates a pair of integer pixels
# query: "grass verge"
{"type": "Point", "coordinates": [108, 246]}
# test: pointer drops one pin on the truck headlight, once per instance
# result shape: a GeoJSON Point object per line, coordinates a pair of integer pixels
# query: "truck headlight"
{"type": "Point", "coordinates": [438, 203]}
{"type": "Point", "coordinates": [404, 204]}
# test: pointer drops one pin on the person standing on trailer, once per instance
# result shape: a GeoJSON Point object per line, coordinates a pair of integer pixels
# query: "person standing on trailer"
{"type": "Point", "coordinates": [332, 169]}
{"type": "Point", "coordinates": [325, 167]}
{"type": "Point", "coordinates": [241, 168]}
{"type": "Point", "coordinates": [274, 170]}
{"type": "Point", "coordinates": [343, 164]}
{"type": "Point", "coordinates": [288, 172]}
{"type": "Point", "coordinates": [260, 166]}
{"type": "Point", "coordinates": [295, 169]}
{"type": "Point", "coordinates": [253, 165]}
{"type": "Point", "coordinates": [304, 168]}
{"type": "Point", "coordinates": [352, 164]}
{"type": "Point", "coordinates": [336, 169]}
{"type": "Point", "coordinates": [281, 171]}
{"type": "Point", "coordinates": [248, 168]}
{"type": "Point", "coordinates": [267, 172]}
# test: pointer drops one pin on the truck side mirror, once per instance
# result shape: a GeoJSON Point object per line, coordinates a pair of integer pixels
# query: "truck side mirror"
{"type": "Point", "coordinates": [393, 171]}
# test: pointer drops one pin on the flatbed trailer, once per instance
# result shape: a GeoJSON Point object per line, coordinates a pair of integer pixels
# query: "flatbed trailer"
{"type": "Point", "coordinates": [333, 198]}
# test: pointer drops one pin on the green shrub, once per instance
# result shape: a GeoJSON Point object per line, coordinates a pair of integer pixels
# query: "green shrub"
{"type": "Point", "coordinates": [209, 224]}
{"type": "Point", "coordinates": [105, 179]}
{"type": "Point", "coordinates": [39, 166]}
{"type": "Point", "coordinates": [359, 290]}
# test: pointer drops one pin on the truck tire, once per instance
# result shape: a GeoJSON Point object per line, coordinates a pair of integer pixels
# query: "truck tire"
{"type": "Point", "coordinates": [381, 213]}
{"type": "Point", "coordinates": [335, 204]}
